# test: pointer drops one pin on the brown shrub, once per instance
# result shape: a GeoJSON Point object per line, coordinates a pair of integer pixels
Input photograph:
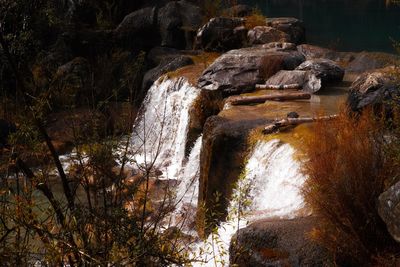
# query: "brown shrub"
{"type": "Point", "coordinates": [255, 19]}
{"type": "Point", "coordinates": [347, 173]}
{"type": "Point", "coordinates": [270, 65]}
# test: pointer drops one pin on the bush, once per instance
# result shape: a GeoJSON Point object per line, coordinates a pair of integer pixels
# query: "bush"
{"type": "Point", "coordinates": [255, 19]}
{"type": "Point", "coordinates": [348, 168]}
{"type": "Point", "coordinates": [270, 65]}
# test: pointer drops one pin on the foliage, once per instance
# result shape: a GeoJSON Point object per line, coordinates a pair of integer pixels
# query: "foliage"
{"type": "Point", "coordinates": [96, 212]}
{"type": "Point", "coordinates": [348, 169]}
{"type": "Point", "coordinates": [270, 65]}
{"type": "Point", "coordinates": [255, 19]}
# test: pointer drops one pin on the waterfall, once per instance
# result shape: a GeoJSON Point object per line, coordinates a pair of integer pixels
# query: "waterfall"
{"type": "Point", "coordinates": [188, 188]}
{"type": "Point", "coordinates": [187, 193]}
{"type": "Point", "coordinates": [271, 181]}
{"type": "Point", "coordinates": [160, 130]}
{"type": "Point", "coordinates": [276, 180]}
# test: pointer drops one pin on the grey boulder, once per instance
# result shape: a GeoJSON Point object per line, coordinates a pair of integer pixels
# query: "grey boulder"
{"type": "Point", "coordinates": [327, 70]}
{"type": "Point", "coordinates": [240, 70]}
{"type": "Point", "coordinates": [377, 88]}
{"type": "Point", "coordinates": [265, 34]}
{"type": "Point", "coordinates": [304, 79]}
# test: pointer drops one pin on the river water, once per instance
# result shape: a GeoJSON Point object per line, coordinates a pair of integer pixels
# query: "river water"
{"type": "Point", "coordinates": [347, 25]}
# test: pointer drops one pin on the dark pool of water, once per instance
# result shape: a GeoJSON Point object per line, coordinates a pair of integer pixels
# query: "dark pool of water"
{"type": "Point", "coordinates": [347, 25]}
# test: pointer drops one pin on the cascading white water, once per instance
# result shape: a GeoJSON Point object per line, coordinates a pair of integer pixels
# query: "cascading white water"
{"type": "Point", "coordinates": [160, 130]}
{"type": "Point", "coordinates": [272, 182]}
{"type": "Point", "coordinates": [187, 192]}
{"type": "Point", "coordinates": [188, 188]}
{"type": "Point", "coordinates": [276, 179]}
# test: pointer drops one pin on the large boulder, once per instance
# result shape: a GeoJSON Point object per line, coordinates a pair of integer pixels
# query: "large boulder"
{"type": "Point", "coordinates": [277, 243]}
{"type": "Point", "coordinates": [265, 34]}
{"type": "Point", "coordinates": [222, 34]}
{"type": "Point", "coordinates": [292, 26]}
{"type": "Point", "coordinates": [165, 66]}
{"type": "Point", "coordinates": [327, 70]}
{"type": "Point", "coordinates": [178, 23]}
{"type": "Point", "coordinates": [389, 210]}
{"type": "Point", "coordinates": [240, 70]}
{"type": "Point", "coordinates": [377, 88]}
{"type": "Point", "coordinates": [304, 79]}
{"type": "Point", "coordinates": [366, 61]}
{"type": "Point", "coordinates": [139, 29]}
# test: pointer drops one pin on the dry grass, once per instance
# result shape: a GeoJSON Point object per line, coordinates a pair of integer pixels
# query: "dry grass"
{"type": "Point", "coordinates": [270, 65]}
{"type": "Point", "coordinates": [255, 19]}
{"type": "Point", "coordinates": [347, 172]}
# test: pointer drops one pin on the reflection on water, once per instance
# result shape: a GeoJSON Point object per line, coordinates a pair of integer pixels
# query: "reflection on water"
{"type": "Point", "coordinates": [348, 25]}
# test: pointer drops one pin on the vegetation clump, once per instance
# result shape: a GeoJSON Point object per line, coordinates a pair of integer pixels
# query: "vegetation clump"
{"type": "Point", "coordinates": [349, 165]}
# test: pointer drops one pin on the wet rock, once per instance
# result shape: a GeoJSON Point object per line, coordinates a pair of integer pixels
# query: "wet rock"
{"type": "Point", "coordinates": [389, 210]}
{"type": "Point", "coordinates": [277, 243]}
{"type": "Point", "coordinates": [165, 66]}
{"type": "Point", "coordinates": [138, 29]}
{"type": "Point", "coordinates": [222, 34]}
{"type": "Point", "coordinates": [293, 115]}
{"type": "Point", "coordinates": [377, 88]}
{"type": "Point", "coordinates": [366, 61]}
{"type": "Point", "coordinates": [305, 79]}
{"type": "Point", "coordinates": [178, 23]}
{"type": "Point", "coordinates": [326, 70]}
{"type": "Point", "coordinates": [239, 11]}
{"type": "Point", "coordinates": [265, 34]}
{"type": "Point", "coordinates": [292, 26]}
{"type": "Point", "coordinates": [240, 70]}
{"type": "Point", "coordinates": [71, 83]}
